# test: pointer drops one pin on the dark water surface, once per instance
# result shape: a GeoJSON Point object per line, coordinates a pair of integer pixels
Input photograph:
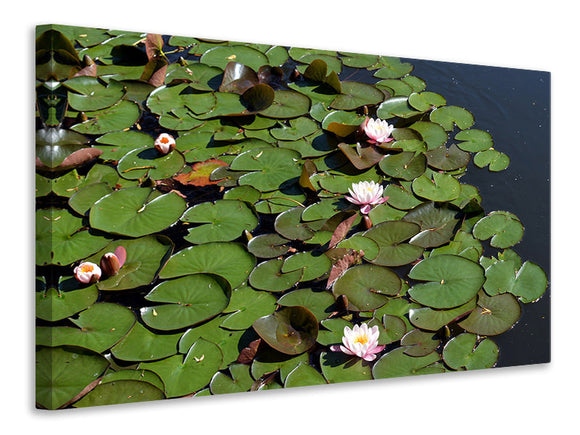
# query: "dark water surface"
{"type": "Point", "coordinates": [513, 105]}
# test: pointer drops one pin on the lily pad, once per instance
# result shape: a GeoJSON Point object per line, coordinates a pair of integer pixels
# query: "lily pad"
{"type": "Point", "coordinates": [148, 162]}
{"type": "Point", "coordinates": [142, 344]}
{"type": "Point", "coordinates": [450, 116]}
{"type": "Point", "coordinates": [247, 305]}
{"type": "Point", "coordinates": [474, 140]}
{"type": "Point", "coordinates": [355, 95]}
{"type": "Point", "coordinates": [289, 225]}
{"type": "Point", "coordinates": [313, 265]}
{"type": "Point", "coordinates": [390, 237]}
{"type": "Point", "coordinates": [220, 56]}
{"type": "Point", "coordinates": [304, 375]}
{"type": "Point", "coordinates": [397, 363]}
{"type": "Point", "coordinates": [69, 298]}
{"type": "Point", "coordinates": [419, 343]}
{"type": "Point", "coordinates": [433, 320]}
{"type": "Point", "coordinates": [493, 315]}
{"type": "Point", "coordinates": [367, 286]}
{"type": "Point", "coordinates": [437, 187]}
{"type": "Point", "coordinates": [117, 117]}
{"type": "Point", "coordinates": [339, 367]}
{"type": "Point", "coordinates": [268, 245]}
{"type": "Point", "coordinates": [99, 327]}
{"type": "Point", "coordinates": [268, 275]}
{"type": "Point", "coordinates": [452, 281]}
{"type": "Point", "coordinates": [497, 161]}
{"type": "Point", "coordinates": [188, 300]}
{"type": "Point", "coordinates": [438, 224]}
{"type": "Point", "coordinates": [131, 212]}
{"type": "Point", "coordinates": [504, 229]}
{"type": "Point", "coordinates": [224, 220]}
{"type": "Point", "coordinates": [528, 283]}
{"type": "Point", "coordinates": [290, 330]}
{"type": "Point", "coordinates": [447, 159]}
{"type": "Point", "coordinates": [464, 352]}
{"type": "Point", "coordinates": [120, 391]}
{"type": "Point", "coordinates": [182, 376]}
{"type": "Point", "coordinates": [63, 373]}
{"type": "Point", "coordinates": [228, 260]}
{"type": "Point", "coordinates": [240, 380]}
{"type": "Point", "coordinates": [405, 165]}
{"type": "Point", "coordinates": [287, 104]}
{"type": "Point", "coordinates": [319, 302]}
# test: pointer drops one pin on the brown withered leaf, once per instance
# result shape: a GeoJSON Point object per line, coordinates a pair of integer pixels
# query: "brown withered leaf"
{"type": "Point", "coordinates": [153, 45]}
{"type": "Point", "coordinates": [341, 265]}
{"type": "Point", "coordinates": [248, 353]}
{"type": "Point", "coordinates": [199, 175]}
{"type": "Point", "coordinates": [342, 230]}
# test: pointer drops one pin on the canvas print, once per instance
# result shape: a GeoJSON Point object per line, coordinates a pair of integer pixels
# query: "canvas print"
{"type": "Point", "coordinates": [221, 217]}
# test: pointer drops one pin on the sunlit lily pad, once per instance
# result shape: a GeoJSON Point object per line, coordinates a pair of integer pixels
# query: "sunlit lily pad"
{"type": "Point", "coordinates": [474, 140]}
{"type": "Point", "coordinates": [313, 265]}
{"type": "Point", "coordinates": [220, 56]}
{"type": "Point", "coordinates": [290, 330]}
{"type": "Point", "coordinates": [228, 260]}
{"type": "Point", "coordinates": [148, 162]}
{"type": "Point", "coordinates": [437, 223]}
{"type": "Point", "coordinates": [465, 352]}
{"type": "Point", "coordinates": [69, 298]}
{"type": "Point", "coordinates": [433, 320]}
{"type": "Point", "coordinates": [304, 375]}
{"type": "Point", "coordinates": [117, 117]}
{"type": "Point", "coordinates": [452, 281]}
{"type": "Point", "coordinates": [450, 116]}
{"type": "Point", "coordinates": [496, 160]}
{"type": "Point", "coordinates": [142, 344]}
{"type": "Point", "coordinates": [187, 300]}
{"type": "Point", "coordinates": [268, 275]}
{"type": "Point", "coordinates": [92, 95]}
{"type": "Point", "coordinates": [493, 315]}
{"type": "Point", "coordinates": [131, 212]}
{"type": "Point", "coordinates": [246, 305]}
{"type": "Point", "coordinates": [393, 68]}
{"type": "Point", "coordinates": [405, 165]}
{"type": "Point", "coordinates": [528, 283]}
{"type": "Point", "coordinates": [287, 104]}
{"type": "Point", "coordinates": [396, 106]}
{"type": "Point", "coordinates": [319, 302]}
{"type": "Point", "coordinates": [367, 286]}
{"type": "Point", "coordinates": [222, 220]}
{"type": "Point", "coordinates": [240, 380]}
{"type": "Point", "coordinates": [425, 101]}
{"type": "Point", "coordinates": [390, 237]}
{"type": "Point", "coordinates": [121, 391]}
{"type": "Point", "coordinates": [437, 187]}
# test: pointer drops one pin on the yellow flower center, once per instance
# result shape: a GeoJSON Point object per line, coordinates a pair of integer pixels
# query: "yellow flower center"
{"type": "Point", "coordinates": [86, 268]}
{"type": "Point", "coordinates": [362, 339]}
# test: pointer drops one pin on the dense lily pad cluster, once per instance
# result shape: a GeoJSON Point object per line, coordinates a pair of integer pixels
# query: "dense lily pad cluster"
{"type": "Point", "coordinates": [223, 174]}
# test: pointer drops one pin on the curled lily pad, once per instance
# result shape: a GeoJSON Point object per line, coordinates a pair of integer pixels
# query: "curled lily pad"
{"type": "Point", "coordinates": [290, 330]}
{"type": "Point", "coordinates": [452, 281]}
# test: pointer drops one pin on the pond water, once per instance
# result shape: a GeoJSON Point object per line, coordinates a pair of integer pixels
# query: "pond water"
{"type": "Point", "coordinates": [514, 106]}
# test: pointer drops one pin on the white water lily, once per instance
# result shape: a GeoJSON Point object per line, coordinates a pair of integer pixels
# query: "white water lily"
{"type": "Point", "coordinates": [360, 341]}
{"type": "Point", "coordinates": [164, 143]}
{"type": "Point", "coordinates": [366, 194]}
{"type": "Point", "coordinates": [87, 272]}
{"type": "Point", "coordinates": [378, 130]}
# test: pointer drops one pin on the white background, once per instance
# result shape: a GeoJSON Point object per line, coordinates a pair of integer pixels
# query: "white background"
{"type": "Point", "coordinates": [530, 35]}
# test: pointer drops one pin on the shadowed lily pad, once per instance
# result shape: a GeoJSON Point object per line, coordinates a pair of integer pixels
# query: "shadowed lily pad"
{"type": "Point", "coordinates": [69, 298]}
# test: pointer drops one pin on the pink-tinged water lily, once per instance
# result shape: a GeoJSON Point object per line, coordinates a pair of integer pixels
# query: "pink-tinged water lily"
{"type": "Point", "coordinates": [164, 143]}
{"type": "Point", "coordinates": [112, 262]}
{"type": "Point", "coordinates": [87, 272]}
{"type": "Point", "coordinates": [377, 130]}
{"type": "Point", "coordinates": [360, 341]}
{"type": "Point", "coordinates": [366, 194]}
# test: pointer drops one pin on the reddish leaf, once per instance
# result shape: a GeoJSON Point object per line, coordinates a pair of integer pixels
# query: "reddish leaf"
{"type": "Point", "coordinates": [200, 172]}
{"type": "Point", "coordinates": [248, 353]}
{"type": "Point", "coordinates": [153, 45]}
{"type": "Point", "coordinates": [350, 258]}
{"type": "Point", "coordinates": [342, 230]}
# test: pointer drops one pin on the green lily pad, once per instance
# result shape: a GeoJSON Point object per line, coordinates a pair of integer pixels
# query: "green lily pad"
{"type": "Point", "coordinates": [405, 165]}
{"type": "Point", "coordinates": [390, 237]}
{"type": "Point", "coordinates": [396, 107]}
{"type": "Point", "coordinates": [304, 375]}
{"type": "Point", "coordinates": [116, 144]}
{"type": "Point", "coordinates": [504, 229]}
{"type": "Point", "coordinates": [269, 360]}
{"type": "Point", "coordinates": [339, 367]}
{"type": "Point", "coordinates": [188, 300]}
{"type": "Point", "coordinates": [84, 199]}
{"type": "Point", "coordinates": [240, 380]}
{"type": "Point", "coordinates": [432, 134]}
{"type": "Point", "coordinates": [99, 327]}
{"type": "Point", "coordinates": [290, 330]}
{"type": "Point", "coordinates": [393, 68]}
{"type": "Point", "coordinates": [437, 224]}
{"type": "Point", "coordinates": [142, 344]}
{"type": "Point", "coordinates": [360, 243]}
{"type": "Point", "coordinates": [269, 168]}
{"type": "Point", "coordinates": [447, 159]}
{"type": "Point", "coordinates": [268, 275]}
{"type": "Point", "coordinates": [419, 343]}
{"type": "Point", "coordinates": [69, 298]}
{"type": "Point", "coordinates": [298, 128]}
{"type": "Point", "coordinates": [319, 302]}
{"type": "Point", "coordinates": [493, 315]}
{"type": "Point", "coordinates": [145, 257]}
{"type": "Point", "coordinates": [497, 161]}
{"type": "Point", "coordinates": [220, 56]}
{"type": "Point", "coordinates": [437, 187]}
{"type": "Point", "coordinates": [148, 162]}
{"type": "Point", "coordinates": [289, 225]}
{"type": "Point", "coordinates": [402, 196]}
{"type": "Point", "coordinates": [474, 140]}
{"type": "Point", "coordinates": [182, 376]}
{"type": "Point", "coordinates": [62, 238]}
{"type": "Point", "coordinates": [367, 286]}
{"type": "Point", "coordinates": [397, 363]}
{"type": "Point", "coordinates": [268, 245]}
{"type": "Point", "coordinates": [247, 305]}
{"type": "Point", "coordinates": [92, 95]}
{"type": "Point", "coordinates": [433, 320]}
{"type": "Point", "coordinates": [452, 281]}
{"type": "Point", "coordinates": [287, 104]}
{"type": "Point", "coordinates": [450, 116]}
{"type": "Point", "coordinates": [198, 75]}
{"type": "Point", "coordinates": [131, 212]}
{"type": "Point", "coordinates": [528, 283]}
{"type": "Point", "coordinates": [117, 117]}
{"type": "Point", "coordinates": [228, 260]}
{"type": "Point", "coordinates": [425, 101]}
{"type": "Point", "coordinates": [312, 265]}
{"type": "Point", "coordinates": [224, 220]}
{"type": "Point", "coordinates": [464, 352]}
{"type": "Point", "coordinates": [354, 95]}
{"type": "Point", "coordinates": [63, 373]}
{"type": "Point", "coordinates": [120, 391]}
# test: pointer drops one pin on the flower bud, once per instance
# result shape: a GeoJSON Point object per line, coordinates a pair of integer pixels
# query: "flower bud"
{"type": "Point", "coordinates": [110, 264]}
{"type": "Point", "coordinates": [87, 272]}
{"type": "Point", "coordinates": [164, 143]}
